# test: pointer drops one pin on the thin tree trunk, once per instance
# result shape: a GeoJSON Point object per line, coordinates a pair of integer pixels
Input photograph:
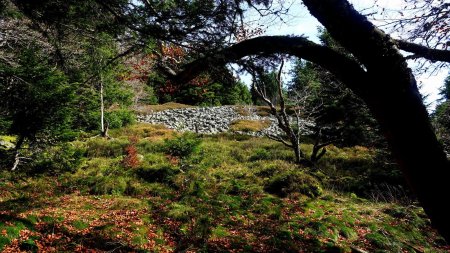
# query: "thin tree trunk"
{"type": "Point", "coordinates": [104, 126]}
{"type": "Point", "coordinates": [102, 108]}
{"type": "Point", "coordinates": [297, 151]}
{"type": "Point", "coordinates": [105, 132]}
{"type": "Point", "coordinates": [19, 144]}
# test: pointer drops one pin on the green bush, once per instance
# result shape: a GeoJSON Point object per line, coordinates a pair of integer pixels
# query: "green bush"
{"type": "Point", "coordinates": [120, 118]}
{"type": "Point", "coordinates": [157, 173]}
{"type": "Point", "coordinates": [288, 182]}
{"type": "Point", "coordinates": [266, 169]}
{"type": "Point", "coordinates": [63, 158]}
{"type": "Point", "coordinates": [260, 154]}
{"type": "Point", "coordinates": [115, 185]}
{"type": "Point", "coordinates": [101, 147]}
{"type": "Point", "coordinates": [100, 176]}
{"type": "Point", "coordinates": [182, 146]}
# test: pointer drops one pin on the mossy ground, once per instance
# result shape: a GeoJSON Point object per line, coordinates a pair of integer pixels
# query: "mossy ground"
{"type": "Point", "coordinates": [160, 107]}
{"type": "Point", "coordinates": [263, 111]}
{"type": "Point", "coordinates": [212, 199]}
{"type": "Point", "coordinates": [249, 125]}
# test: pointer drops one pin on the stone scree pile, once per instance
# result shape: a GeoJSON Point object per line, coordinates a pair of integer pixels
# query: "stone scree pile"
{"type": "Point", "coordinates": [209, 120]}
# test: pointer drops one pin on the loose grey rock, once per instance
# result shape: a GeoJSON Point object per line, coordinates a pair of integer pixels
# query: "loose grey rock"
{"type": "Point", "coordinates": [211, 120]}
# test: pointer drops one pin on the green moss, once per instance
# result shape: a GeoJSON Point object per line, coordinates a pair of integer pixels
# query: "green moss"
{"type": "Point", "coordinates": [249, 125]}
{"type": "Point", "coordinates": [101, 147]}
{"type": "Point", "coordinates": [219, 232]}
{"type": "Point", "coordinates": [4, 241]}
{"type": "Point", "coordinates": [29, 245]}
{"type": "Point", "coordinates": [139, 240]}
{"type": "Point", "coordinates": [179, 211]}
{"type": "Point", "coordinates": [10, 232]}
{"type": "Point", "coordinates": [348, 233]}
{"type": "Point", "coordinates": [260, 154]}
{"type": "Point", "coordinates": [111, 185]}
{"type": "Point", "coordinates": [79, 224]}
{"type": "Point", "coordinates": [292, 181]}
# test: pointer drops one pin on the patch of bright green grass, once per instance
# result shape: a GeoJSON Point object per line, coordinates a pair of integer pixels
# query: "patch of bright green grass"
{"type": "Point", "coordinates": [80, 225]}
{"type": "Point", "coordinates": [249, 125]}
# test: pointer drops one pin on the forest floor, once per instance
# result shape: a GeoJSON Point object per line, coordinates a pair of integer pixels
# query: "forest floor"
{"type": "Point", "coordinates": [138, 192]}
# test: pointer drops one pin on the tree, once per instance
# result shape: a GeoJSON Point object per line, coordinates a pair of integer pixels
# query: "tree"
{"type": "Point", "coordinates": [110, 89]}
{"type": "Point", "coordinates": [34, 100]}
{"type": "Point", "coordinates": [294, 129]}
{"type": "Point", "coordinates": [377, 73]}
{"type": "Point", "coordinates": [216, 87]}
{"type": "Point", "coordinates": [343, 116]}
{"type": "Point", "coordinates": [75, 39]}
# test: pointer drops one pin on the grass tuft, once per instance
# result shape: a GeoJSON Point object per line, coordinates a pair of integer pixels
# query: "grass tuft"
{"type": "Point", "coordinates": [146, 109]}
{"type": "Point", "coordinates": [249, 125]}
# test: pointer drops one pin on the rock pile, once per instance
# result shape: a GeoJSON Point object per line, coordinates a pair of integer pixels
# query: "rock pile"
{"type": "Point", "coordinates": [208, 120]}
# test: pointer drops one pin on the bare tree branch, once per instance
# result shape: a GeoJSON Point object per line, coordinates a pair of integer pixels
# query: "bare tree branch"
{"type": "Point", "coordinates": [420, 51]}
{"type": "Point", "coordinates": [279, 139]}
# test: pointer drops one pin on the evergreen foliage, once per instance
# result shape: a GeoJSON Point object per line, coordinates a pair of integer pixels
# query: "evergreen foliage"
{"type": "Point", "coordinates": [35, 97]}
{"type": "Point", "coordinates": [269, 85]}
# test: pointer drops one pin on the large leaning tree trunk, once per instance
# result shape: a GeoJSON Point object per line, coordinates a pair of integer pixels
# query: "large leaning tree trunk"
{"type": "Point", "coordinates": [393, 97]}
{"type": "Point", "coordinates": [379, 74]}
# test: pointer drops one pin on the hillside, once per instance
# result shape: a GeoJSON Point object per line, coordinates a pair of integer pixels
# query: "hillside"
{"type": "Point", "coordinates": [151, 189]}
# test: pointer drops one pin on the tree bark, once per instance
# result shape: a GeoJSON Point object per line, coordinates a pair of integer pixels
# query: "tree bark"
{"type": "Point", "coordinates": [19, 144]}
{"type": "Point", "coordinates": [104, 127]}
{"type": "Point", "coordinates": [297, 152]}
{"type": "Point", "coordinates": [102, 109]}
{"type": "Point", "coordinates": [420, 51]}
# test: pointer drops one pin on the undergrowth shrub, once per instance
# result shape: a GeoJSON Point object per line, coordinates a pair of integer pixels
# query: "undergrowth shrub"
{"type": "Point", "coordinates": [143, 131]}
{"type": "Point", "coordinates": [182, 146]}
{"type": "Point", "coordinates": [260, 154]}
{"type": "Point", "coordinates": [292, 181]}
{"type": "Point", "coordinates": [120, 118]}
{"type": "Point", "coordinates": [131, 159]}
{"type": "Point", "coordinates": [66, 157]}
{"type": "Point", "coordinates": [249, 125]}
{"type": "Point", "coordinates": [102, 147]}
{"type": "Point", "coordinates": [99, 176]}
{"type": "Point", "coordinates": [161, 173]}
{"type": "Point", "coordinates": [232, 136]}
{"type": "Point", "coordinates": [266, 169]}
{"type": "Point", "coordinates": [148, 147]}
